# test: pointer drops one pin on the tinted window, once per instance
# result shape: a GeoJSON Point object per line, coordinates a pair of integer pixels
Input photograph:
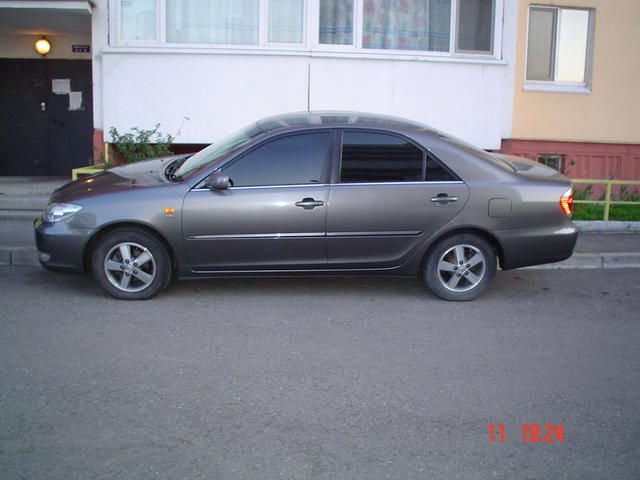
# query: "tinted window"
{"type": "Point", "coordinates": [296, 159]}
{"type": "Point", "coordinates": [377, 157]}
{"type": "Point", "coordinates": [436, 172]}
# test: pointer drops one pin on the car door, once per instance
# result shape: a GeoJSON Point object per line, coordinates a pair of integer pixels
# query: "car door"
{"type": "Point", "coordinates": [274, 214]}
{"type": "Point", "coordinates": [389, 196]}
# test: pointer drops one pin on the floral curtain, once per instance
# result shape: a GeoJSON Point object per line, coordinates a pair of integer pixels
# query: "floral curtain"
{"type": "Point", "coordinates": [407, 24]}
{"type": "Point", "coordinates": [336, 22]}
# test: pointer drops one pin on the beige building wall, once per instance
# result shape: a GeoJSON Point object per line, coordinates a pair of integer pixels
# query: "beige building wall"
{"type": "Point", "coordinates": [611, 112]}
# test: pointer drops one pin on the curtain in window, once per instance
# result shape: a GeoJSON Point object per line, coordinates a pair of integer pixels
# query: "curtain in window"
{"type": "Point", "coordinates": [541, 45]}
{"type": "Point", "coordinates": [285, 21]}
{"type": "Point", "coordinates": [475, 25]}
{"type": "Point", "coordinates": [336, 22]}
{"type": "Point", "coordinates": [212, 21]}
{"type": "Point", "coordinates": [407, 24]}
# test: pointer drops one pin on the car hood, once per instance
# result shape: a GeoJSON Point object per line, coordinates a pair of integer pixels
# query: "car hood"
{"type": "Point", "coordinates": [143, 174]}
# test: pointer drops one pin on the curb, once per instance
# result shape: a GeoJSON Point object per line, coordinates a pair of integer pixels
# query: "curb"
{"type": "Point", "coordinates": [594, 261]}
{"type": "Point", "coordinates": [28, 256]}
{"type": "Point", "coordinates": [19, 256]}
{"type": "Point", "coordinates": [19, 214]}
{"type": "Point", "coordinates": [611, 226]}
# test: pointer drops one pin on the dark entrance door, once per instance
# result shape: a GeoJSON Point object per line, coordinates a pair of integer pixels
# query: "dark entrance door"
{"type": "Point", "coordinates": [43, 132]}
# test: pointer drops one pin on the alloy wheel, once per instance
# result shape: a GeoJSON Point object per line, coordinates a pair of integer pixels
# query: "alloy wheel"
{"type": "Point", "coordinates": [461, 268]}
{"type": "Point", "coordinates": [130, 267]}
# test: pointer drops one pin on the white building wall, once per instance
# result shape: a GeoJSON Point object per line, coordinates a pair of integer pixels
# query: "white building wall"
{"type": "Point", "coordinates": [99, 41]}
{"type": "Point", "coordinates": [206, 94]}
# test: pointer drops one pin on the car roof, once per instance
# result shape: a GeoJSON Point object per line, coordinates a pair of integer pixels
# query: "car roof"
{"type": "Point", "coordinates": [336, 118]}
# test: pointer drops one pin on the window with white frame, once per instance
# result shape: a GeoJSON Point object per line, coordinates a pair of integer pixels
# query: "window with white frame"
{"type": "Point", "coordinates": [559, 45]}
{"type": "Point", "coordinates": [336, 22]}
{"type": "Point", "coordinates": [465, 27]}
{"type": "Point", "coordinates": [212, 21]}
{"type": "Point", "coordinates": [475, 26]}
{"type": "Point", "coordinates": [286, 21]}
{"type": "Point", "coordinates": [552, 160]}
{"type": "Point", "coordinates": [138, 20]}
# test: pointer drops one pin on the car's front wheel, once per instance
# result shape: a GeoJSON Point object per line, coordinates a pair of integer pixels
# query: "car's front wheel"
{"type": "Point", "coordinates": [460, 267]}
{"type": "Point", "coordinates": [131, 264]}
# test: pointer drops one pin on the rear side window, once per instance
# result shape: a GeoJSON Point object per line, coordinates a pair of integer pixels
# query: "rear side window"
{"type": "Point", "coordinates": [436, 172]}
{"type": "Point", "coordinates": [378, 157]}
{"type": "Point", "coordinates": [291, 160]}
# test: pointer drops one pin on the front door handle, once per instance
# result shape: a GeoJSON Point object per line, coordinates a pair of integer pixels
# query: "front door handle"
{"type": "Point", "coordinates": [443, 199]}
{"type": "Point", "coordinates": [309, 203]}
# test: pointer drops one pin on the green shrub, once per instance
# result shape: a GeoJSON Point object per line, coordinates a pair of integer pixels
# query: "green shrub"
{"type": "Point", "coordinates": [630, 213]}
{"type": "Point", "coordinates": [595, 211]}
{"type": "Point", "coordinates": [140, 144]}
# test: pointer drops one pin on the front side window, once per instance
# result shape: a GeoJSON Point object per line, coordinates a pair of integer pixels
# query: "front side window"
{"type": "Point", "coordinates": [436, 172]}
{"type": "Point", "coordinates": [403, 25]}
{"type": "Point", "coordinates": [378, 157]}
{"type": "Point", "coordinates": [212, 21]}
{"type": "Point", "coordinates": [558, 45]}
{"type": "Point", "coordinates": [138, 19]}
{"type": "Point", "coordinates": [291, 160]}
{"type": "Point", "coordinates": [217, 151]}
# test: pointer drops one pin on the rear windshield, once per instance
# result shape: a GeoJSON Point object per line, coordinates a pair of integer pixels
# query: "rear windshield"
{"type": "Point", "coordinates": [478, 152]}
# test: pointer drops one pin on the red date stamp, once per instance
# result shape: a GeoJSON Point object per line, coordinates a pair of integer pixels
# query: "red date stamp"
{"type": "Point", "coordinates": [531, 432]}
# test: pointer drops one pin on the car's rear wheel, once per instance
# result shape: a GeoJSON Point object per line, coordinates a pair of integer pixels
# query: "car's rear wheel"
{"type": "Point", "coordinates": [460, 267]}
{"type": "Point", "coordinates": [131, 264]}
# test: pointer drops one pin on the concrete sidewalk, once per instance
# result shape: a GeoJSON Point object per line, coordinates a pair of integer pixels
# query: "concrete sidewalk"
{"type": "Point", "coordinates": [25, 197]}
{"type": "Point", "coordinates": [594, 250]}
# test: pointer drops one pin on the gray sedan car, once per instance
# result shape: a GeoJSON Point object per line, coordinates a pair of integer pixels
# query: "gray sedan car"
{"type": "Point", "coordinates": [320, 193]}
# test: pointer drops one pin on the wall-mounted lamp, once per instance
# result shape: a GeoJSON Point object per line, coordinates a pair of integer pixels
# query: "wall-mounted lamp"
{"type": "Point", "coordinates": [42, 46]}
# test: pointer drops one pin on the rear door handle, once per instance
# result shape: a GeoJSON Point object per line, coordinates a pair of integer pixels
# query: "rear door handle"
{"type": "Point", "coordinates": [443, 199]}
{"type": "Point", "coordinates": [309, 203]}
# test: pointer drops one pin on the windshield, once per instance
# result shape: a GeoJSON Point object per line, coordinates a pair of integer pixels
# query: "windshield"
{"type": "Point", "coordinates": [218, 150]}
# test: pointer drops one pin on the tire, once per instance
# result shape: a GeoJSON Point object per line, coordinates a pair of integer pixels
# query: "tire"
{"type": "Point", "coordinates": [458, 281]}
{"type": "Point", "coordinates": [125, 278]}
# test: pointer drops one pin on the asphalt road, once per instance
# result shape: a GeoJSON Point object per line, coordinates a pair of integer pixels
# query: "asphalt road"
{"type": "Point", "coordinates": [319, 379]}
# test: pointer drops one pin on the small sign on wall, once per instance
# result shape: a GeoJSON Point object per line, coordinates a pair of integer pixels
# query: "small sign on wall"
{"type": "Point", "coordinates": [75, 101]}
{"type": "Point", "coordinates": [61, 86]}
{"type": "Point", "coordinates": [80, 48]}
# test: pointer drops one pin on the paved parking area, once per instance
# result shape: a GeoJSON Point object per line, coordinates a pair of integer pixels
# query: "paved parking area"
{"type": "Point", "coordinates": [319, 378]}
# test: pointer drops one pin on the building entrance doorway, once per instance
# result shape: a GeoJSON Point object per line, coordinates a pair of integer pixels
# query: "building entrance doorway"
{"type": "Point", "coordinates": [46, 119]}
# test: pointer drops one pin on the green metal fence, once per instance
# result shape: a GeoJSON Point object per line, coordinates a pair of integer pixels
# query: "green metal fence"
{"type": "Point", "coordinates": [607, 192]}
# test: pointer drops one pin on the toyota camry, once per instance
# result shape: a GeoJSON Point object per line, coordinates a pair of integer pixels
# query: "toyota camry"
{"type": "Point", "coordinates": [314, 193]}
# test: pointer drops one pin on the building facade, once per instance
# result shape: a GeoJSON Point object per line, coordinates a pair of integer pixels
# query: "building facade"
{"type": "Point", "coordinates": [202, 69]}
{"type": "Point", "coordinates": [576, 101]}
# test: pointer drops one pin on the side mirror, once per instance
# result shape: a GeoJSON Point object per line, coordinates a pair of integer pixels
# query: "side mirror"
{"type": "Point", "coordinates": [217, 181]}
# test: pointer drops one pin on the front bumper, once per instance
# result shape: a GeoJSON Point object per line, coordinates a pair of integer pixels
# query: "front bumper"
{"type": "Point", "coordinates": [61, 245]}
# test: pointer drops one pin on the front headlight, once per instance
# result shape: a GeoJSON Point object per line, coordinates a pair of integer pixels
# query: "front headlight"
{"type": "Point", "coordinates": [59, 211]}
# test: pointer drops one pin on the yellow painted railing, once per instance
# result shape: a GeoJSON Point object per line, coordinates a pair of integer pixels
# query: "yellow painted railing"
{"type": "Point", "coordinates": [89, 170]}
{"type": "Point", "coordinates": [607, 192]}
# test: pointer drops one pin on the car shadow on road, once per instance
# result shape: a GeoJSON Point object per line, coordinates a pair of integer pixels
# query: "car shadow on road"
{"type": "Point", "coordinates": [513, 283]}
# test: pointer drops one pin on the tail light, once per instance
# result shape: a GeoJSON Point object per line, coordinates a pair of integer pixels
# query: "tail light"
{"type": "Point", "coordinates": [566, 202]}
